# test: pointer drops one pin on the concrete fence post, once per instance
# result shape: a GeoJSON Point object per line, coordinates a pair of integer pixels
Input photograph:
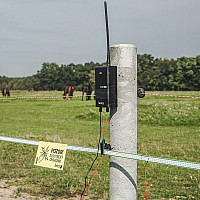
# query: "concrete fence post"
{"type": "Point", "coordinates": [123, 124]}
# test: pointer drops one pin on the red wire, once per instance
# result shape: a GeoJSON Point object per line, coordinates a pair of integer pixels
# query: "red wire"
{"type": "Point", "coordinates": [99, 161]}
{"type": "Point", "coordinates": [145, 172]}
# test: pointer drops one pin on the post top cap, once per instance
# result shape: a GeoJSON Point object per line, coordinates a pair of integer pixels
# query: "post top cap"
{"type": "Point", "coordinates": [124, 45]}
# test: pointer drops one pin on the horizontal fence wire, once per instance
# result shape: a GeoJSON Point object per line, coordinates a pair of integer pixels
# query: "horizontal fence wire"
{"type": "Point", "coordinates": [75, 96]}
{"type": "Point", "coordinates": [144, 158]}
{"type": "Point", "coordinates": [57, 97]}
{"type": "Point", "coordinates": [169, 95]}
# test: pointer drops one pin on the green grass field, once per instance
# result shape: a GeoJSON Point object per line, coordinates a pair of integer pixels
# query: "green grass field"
{"type": "Point", "coordinates": [167, 127]}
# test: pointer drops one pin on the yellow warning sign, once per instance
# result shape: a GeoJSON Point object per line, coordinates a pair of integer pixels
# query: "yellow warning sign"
{"type": "Point", "coordinates": [51, 155]}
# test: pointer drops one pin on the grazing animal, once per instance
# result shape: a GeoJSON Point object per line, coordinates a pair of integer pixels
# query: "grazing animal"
{"type": "Point", "coordinates": [5, 92]}
{"type": "Point", "coordinates": [68, 90]}
{"type": "Point", "coordinates": [88, 91]}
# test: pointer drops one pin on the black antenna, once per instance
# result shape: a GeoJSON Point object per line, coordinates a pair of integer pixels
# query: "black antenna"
{"type": "Point", "coordinates": [107, 34]}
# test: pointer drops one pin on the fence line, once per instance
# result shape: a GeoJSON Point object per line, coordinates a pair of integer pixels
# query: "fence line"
{"type": "Point", "coordinates": [169, 95]}
{"type": "Point", "coordinates": [145, 158]}
{"type": "Point", "coordinates": [61, 97]}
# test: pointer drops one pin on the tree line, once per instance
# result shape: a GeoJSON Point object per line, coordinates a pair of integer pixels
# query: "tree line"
{"type": "Point", "coordinates": [154, 74]}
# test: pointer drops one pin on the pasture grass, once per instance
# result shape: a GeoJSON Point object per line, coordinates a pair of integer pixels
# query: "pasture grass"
{"type": "Point", "coordinates": [167, 127]}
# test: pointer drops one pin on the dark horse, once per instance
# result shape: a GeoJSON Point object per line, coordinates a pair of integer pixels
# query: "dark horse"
{"type": "Point", "coordinates": [88, 90]}
{"type": "Point", "coordinates": [68, 90]}
{"type": "Point", "coordinates": [5, 92]}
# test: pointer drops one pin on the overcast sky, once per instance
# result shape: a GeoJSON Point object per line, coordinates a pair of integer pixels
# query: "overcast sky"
{"type": "Point", "coordinates": [73, 31]}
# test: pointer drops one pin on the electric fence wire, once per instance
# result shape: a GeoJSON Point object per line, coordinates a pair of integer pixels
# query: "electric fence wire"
{"type": "Point", "coordinates": [69, 97]}
{"type": "Point", "coordinates": [145, 175]}
{"type": "Point", "coordinates": [100, 110]}
{"type": "Point", "coordinates": [169, 95]}
{"type": "Point", "coordinates": [47, 97]}
{"type": "Point", "coordinates": [101, 157]}
{"type": "Point", "coordinates": [146, 158]}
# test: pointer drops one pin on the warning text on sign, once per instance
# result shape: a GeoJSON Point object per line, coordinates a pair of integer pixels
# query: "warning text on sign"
{"type": "Point", "coordinates": [51, 155]}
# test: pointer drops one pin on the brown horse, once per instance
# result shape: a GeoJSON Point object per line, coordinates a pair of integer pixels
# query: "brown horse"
{"type": "Point", "coordinates": [5, 92]}
{"type": "Point", "coordinates": [68, 90]}
{"type": "Point", "coordinates": [88, 90]}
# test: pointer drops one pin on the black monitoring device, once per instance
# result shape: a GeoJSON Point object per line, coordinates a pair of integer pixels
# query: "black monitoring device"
{"type": "Point", "coordinates": [106, 86]}
{"type": "Point", "coordinates": [106, 78]}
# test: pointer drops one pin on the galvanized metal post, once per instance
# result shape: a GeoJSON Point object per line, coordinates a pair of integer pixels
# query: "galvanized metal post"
{"type": "Point", "coordinates": [123, 124]}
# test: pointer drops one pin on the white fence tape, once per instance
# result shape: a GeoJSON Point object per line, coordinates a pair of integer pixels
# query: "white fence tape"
{"type": "Point", "coordinates": [35, 97]}
{"type": "Point", "coordinates": [169, 95]}
{"type": "Point", "coordinates": [61, 97]}
{"type": "Point", "coordinates": [165, 161]}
